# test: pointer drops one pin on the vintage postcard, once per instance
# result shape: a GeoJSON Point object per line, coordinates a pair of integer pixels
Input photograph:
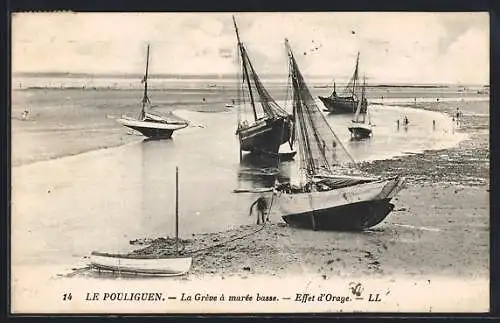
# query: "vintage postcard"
{"type": "Point", "coordinates": [250, 162]}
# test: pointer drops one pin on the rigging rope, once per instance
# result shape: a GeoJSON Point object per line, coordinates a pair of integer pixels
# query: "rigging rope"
{"type": "Point", "coordinates": [226, 242]}
{"type": "Point", "coordinates": [303, 96]}
{"type": "Point", "coordinates": [240, 237]}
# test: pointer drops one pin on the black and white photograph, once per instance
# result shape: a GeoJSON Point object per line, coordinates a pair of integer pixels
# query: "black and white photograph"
{"type": "Point", "coordinates": [250, 162]}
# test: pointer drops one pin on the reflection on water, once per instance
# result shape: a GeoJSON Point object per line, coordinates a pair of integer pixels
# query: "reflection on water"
{"type": "Point", "coordinates": [100, 200]}
{"type": "Point", "coordinates": [256, 171]}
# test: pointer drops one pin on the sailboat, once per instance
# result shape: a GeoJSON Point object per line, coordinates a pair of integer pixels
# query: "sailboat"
{"type": "Point", "coordinates": [156, 265]}
{"type": "Point", "coordinates": [321, 198]}
{"type": "Point", "coordinates": [359, 128]}
{"type": "Point", "coordinates": [153, 125]}
{"type": "Point", "coordinates": [271, 125]}
{"type": "Point", "coordinates": [348, 101]}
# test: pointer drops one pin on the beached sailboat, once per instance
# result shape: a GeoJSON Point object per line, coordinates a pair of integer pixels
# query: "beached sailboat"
{"type": "Point", "coordinates": [320, 197]}
{"type": "Point", "coordinates": [359, 128]}
{"type": "Point", "coordinates": [153, 125]}
{"type": "Point", "coordinates": [174, 264]}
{"type": "Point", "coordinates": [271, 125]}
{"type": "Point", "coordinates": [348, 101]}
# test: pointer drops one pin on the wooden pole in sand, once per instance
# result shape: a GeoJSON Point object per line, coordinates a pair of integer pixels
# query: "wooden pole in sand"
{"type": "Point", "coordinates": [176, 210]}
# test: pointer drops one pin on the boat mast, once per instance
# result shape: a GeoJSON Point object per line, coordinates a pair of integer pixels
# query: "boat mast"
{"type": "Point", "coordinates": [176, 210]}
{"type": "Point", "coordinates": [363, 97]}
{"type": "Point", "coordinates": [355, 76]}
{"type": "Point", "coordinates": [245, 70]}
{"type": "Point", "coordinates": [145, 98]}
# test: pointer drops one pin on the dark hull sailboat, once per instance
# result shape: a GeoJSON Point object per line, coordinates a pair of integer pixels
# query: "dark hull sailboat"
{"type": "Point", "coordinates": [323, 199]}
{"type": "Point", "coordinates": [359, 129]}
{"type": "Point", "coordinates": [152, 126]}
{"type": "Point", "coordinates": [355, 216]}
{"type": "Point", "coordinates": [352, 207]}
{"type": "Point", "coordinates": [265, 136]}
{"type": "Point", "coordinates": [272, 126]}
{"type": "Point", "coordinates": [341, 105]}
{"type": "Point", "coordinates": [348, 102]}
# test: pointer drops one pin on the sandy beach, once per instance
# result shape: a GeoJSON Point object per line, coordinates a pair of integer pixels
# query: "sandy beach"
{"type": "Point", "coordinates": [438, 229]}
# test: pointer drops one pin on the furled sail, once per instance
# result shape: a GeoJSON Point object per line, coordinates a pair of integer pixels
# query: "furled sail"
{"type": "Point", "coordinates": [318, 145]}
{"type": "Point", "coordinates": [254, 91]}
{"type": "Point", "coordinates": [315, 138]}
{"type": "Point", "coordinates": [146, 103]}
{"type": "Point", "coordinates": [350, 89]}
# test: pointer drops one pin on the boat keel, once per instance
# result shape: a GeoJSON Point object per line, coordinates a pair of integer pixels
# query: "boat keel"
{"type": "Point", "coordinates": [350, 217]}
{"type": "Point", "coordinates": [152, 133]}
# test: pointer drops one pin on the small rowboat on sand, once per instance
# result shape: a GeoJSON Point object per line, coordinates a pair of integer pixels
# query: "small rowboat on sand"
{"type": "Point", "coordinates": [141, 264]}
{"type": "Point", "coordinates": [146, 264]}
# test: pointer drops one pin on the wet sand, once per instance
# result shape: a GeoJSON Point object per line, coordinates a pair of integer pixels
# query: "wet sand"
{"type": "Point", "coordinates": [74, 121]}
{"type": "Point", "coordinates": [435, 230]}
{"type": "Point", "coordinates": [439, 227]}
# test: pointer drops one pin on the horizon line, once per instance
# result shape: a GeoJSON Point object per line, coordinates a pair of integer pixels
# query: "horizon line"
{"type": "Point", "coordinates": [210, 76]}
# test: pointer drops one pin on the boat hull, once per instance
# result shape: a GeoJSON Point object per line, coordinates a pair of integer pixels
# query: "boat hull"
{"type": "Point", "coordinates": [152, 130]}
{"type": "Point", "coordinates": [338, 105]}
{"type": "Point", "coordinates": [360, 131]}
{"type": "Point", "coordinates": [287, 156]}
{"type": "Point", "coordinates": [141, 265]}
{"type": "Point", "coordinates": [266, 136]}
{"type": "Point", "coordinates": [349, 217]}
{"type": "Point", "coordinates": [354, 207]}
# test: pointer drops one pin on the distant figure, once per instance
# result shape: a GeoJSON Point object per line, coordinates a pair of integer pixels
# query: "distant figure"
{"type": "Point", "coordinates": [457, 116]}
{"type": "Point", "coordinates": [261, 203]}
{"type": "Point", "coordinates": [433, 124]}
{"type": "Point", "coordinates": [437, 100]}
{"type": "Point", "coordinates": [397, 123]}
{"type": "Point", "coordinates": [24, 115]}
{"type": "Point", "coordinates": [204, 100]}
{"type": "Point", "coordinates": [406, 122]}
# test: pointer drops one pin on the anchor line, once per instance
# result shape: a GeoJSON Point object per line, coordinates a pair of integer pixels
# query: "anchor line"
{"type": "Point", "coordinates": [228, 241]}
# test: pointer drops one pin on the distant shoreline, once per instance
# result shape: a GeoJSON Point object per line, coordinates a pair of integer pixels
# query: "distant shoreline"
{"type": "Point", "coordinates": [232, 76]}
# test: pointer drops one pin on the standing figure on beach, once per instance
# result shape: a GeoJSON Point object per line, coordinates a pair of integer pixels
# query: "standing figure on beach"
{"type": "Point", "coordinates": [261, 204]}
{"type": "Point", "coordinates": [406, 122]}
{"type": "Point", "coordinates": [458, 114]}
{"type": "Point", "coordinates": [397, 123]}
{"type": "Point", "coordinates": [25, 113]}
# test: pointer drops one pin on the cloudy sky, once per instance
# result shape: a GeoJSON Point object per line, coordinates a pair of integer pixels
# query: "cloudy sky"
{"type": "Point", "coordinates": [397, 47]}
